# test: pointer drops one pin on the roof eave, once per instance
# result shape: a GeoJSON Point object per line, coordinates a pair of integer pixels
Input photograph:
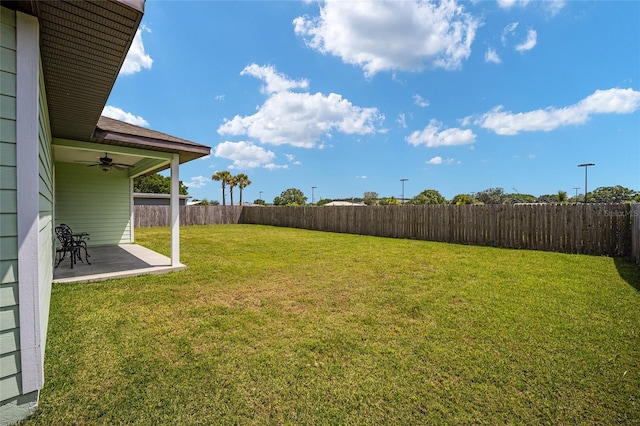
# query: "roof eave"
{"type": "Point", "coordinates": [187, 152]}
{"type": "Point", "coordinates": [83, 46]}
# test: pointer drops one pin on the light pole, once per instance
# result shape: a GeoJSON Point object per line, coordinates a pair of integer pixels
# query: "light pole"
{"type": "Point", "coordinates": [403, 181]}
{"type": "Point", "coordinates": [313, 195]}
{"type": "Point", "coordinates": [576, 188]}
{"type": "Point", "coordinates": [586, 167]}
{"type": "Point", "coordinates": [260, 194]}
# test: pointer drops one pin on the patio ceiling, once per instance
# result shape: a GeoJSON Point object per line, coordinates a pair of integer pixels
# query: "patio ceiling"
{"type": "Point", "coordinates": [85, 154]}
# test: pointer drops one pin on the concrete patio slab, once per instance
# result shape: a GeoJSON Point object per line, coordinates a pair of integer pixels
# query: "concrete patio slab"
{"type": "Point", "coordinates": [111, 262]}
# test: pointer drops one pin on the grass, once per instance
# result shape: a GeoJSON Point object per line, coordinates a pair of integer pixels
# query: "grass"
{"type": "Point", "coordinates": [285, 326]}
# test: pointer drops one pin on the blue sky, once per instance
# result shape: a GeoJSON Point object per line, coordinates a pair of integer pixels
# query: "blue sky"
{"type": "Point", "coordinates": [353, 96]}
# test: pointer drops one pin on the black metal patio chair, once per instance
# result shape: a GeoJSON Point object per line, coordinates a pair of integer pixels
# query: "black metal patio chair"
{"type": "Point", "coordinates": [71, 244]}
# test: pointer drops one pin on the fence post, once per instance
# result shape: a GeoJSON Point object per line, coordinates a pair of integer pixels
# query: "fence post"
{"type": "Point", "coordinates": [635, 231]}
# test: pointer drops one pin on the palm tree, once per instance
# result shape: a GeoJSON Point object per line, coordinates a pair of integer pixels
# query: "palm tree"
{"type": "Point", "coordinates": [562, 196]}
{"type": "Point", "coordinates": [233, 182]}
{"type": "Point", "coordinates": [243, 181]}
{"type": "Point", "coordinates": [224, 177]}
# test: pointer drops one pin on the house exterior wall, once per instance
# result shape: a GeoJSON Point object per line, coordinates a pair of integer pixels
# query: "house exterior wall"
{"type": "Point", "coordinates": [93, 201]}
{"type": "Point", "coordinates": [9, 315]}
{"type": "Point", "coordinates": [24, 283]}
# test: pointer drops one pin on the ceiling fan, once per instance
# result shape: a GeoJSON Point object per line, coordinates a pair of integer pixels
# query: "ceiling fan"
{"type": "Point", "coordinates": [105, 163]}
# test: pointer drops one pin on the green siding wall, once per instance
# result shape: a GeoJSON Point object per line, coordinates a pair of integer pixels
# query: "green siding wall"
{"type": "Point", "coordinates": [14, 405]}
{"type": "Point", "coordinates": [90, 200]}
{"type": "Point", "coordinates": [9, 331]}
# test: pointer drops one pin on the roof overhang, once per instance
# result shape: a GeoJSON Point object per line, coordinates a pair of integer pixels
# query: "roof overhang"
{"type": "Point", "coordinates": [147, 151]}
{"type": "Point", "coordinates": [115, 132]}
{"type": "Point", "coordinates": [83, 45]}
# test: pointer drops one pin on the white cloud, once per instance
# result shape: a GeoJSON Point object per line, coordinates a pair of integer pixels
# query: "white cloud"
{"type": "Point", "coordinates": [438, 160]}
{"type": "Point", "coordinates": [127, 117]}
{"type": "Point", "coordinates": [137, 58]}
{"type": "Point", "coordinates": [275, 82]}
{"type": "Point", "coordinates": [420, 101]}
{"type": "Point", "coordinates": [552, 6]}
{"type": "Point", "coordinates": [492, 56]}
{"type": "Point", "coordinates": [612, 101]}
{"type": "Point", "coordinates": [206, 157]}
{"type": "Point", "coordinates": [292, 159]}
{"type": "Point", "coordinates": [508, 31]}
{"type": "Point", "coordinates": [432, 137]}
{"type": "Point", "coordinates": [529, 43]}
{"type": "Point", "coordinates": [466, 121]}
{"type": "Point", "coordinates": [299, 119]}
{"type": "Point", "coordinates": [402, 120]}
{"type": "Point", "coordinates": [392, 35]}
{"type": "Point", "coordinates": [219, 97]}
{"type": "Point", "coordinates": [507, 4]}
{"type": "Point", "coordinates": [197, 182]}
{"type": "Point", "coordinates": [245, 155]}
{"type": "Point", "coordinates": [361, 177]}
{"type": "Point", "coordinates": [509, 34]}
{"type": "Point", "coordinates": [272, 166]}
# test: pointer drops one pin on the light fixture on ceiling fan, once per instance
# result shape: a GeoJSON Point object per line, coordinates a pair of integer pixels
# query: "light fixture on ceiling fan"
{"type": "Point", "coordinates": [105, 163]}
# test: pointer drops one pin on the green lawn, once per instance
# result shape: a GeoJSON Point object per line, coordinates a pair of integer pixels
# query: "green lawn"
{"type": "Point", "coordinates": [285, 326]}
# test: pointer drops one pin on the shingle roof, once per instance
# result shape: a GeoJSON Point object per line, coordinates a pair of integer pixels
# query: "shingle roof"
{"type": "Point", "coordinates": [115, 132]}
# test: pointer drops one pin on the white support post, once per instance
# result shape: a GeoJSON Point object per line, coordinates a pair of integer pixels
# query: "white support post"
{"type": "Point", "coordinates": [132, 206]}
{"type": "Point", "coordinates": [175, 211]}
{"type": "Point", "coordinates": [28, 69]}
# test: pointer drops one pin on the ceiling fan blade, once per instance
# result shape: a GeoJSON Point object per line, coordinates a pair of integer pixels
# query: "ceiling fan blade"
{"type": "Point", "coordinates": [105, 163]}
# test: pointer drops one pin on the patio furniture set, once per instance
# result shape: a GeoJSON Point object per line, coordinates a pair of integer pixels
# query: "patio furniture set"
{"type": "Point", "coordinates": [71, 244]}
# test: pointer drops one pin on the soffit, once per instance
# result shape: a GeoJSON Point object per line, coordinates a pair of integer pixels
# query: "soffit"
{"type": "Point", "coordinates": [83, 45]}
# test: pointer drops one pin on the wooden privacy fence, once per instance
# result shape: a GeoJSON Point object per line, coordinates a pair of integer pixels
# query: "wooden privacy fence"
{"type": "Point", "coordinates": [598, 229]}
{"type": "Point", "coordinates": [145, 216]}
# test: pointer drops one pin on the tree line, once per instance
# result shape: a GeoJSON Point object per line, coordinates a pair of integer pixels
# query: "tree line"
{"type": "Point", "coordinates": [157, 184]}
{"type": "Point", "coordinates": [605, 194]}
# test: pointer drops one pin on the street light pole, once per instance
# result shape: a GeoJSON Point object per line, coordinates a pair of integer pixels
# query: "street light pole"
{"type": "Point", "coordinates": [586, 167]}
{"type": "Point", "coordinates": [403, 181]}
{"type": "Point", "coordinates": [576, 188]}
{"type": "Point", "coordinates": [313, 195]}
{"type": "Point", "coordinates": [260, 194]}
